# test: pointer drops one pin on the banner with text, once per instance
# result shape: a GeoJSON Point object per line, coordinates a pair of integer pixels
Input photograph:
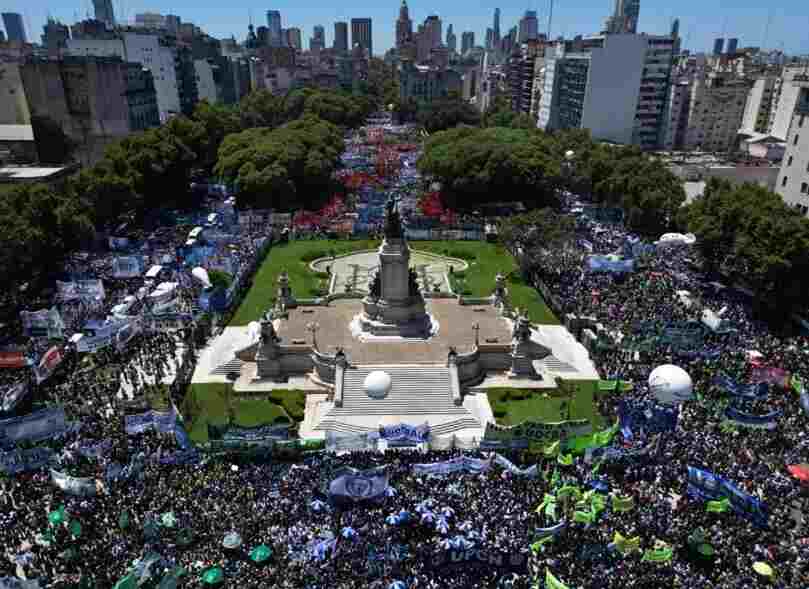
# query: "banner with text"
{"type": "Point", "coordinates": [705, 485]}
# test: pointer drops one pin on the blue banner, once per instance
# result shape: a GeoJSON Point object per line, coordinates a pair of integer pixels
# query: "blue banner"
{"type": "Point", "coordinates": [162, 422]}
{"type": "Point", "coordinates": [767, 421]}
{"type": "Point", "coordinates": [531, 472]}
{"type": "Point", "coordinates": [34, 427]}
{"type": "Point", "coordinates": [181, 436]}
{"type": "Point", "coordinates": [355, 485]}
{"type": "Point", "coordinates": [480, 558]}
{"type": "Point", "coordinates": [540, 533]}
{"type": "Point", "coordinates": [95, 450]}
{"type": "Point", "coordinates": [181, 457]}
{"type": "Point", "coordinates": [24, 460]}
{"type": "Point", "coordinates": [403, 431]}
{"type": "Point", "coordinates": [747, 391]}
{"type": "Point", "coordinates": [598, 263]}
{"type": "Point", "coordinates": [644, 415]}
{"type": "Point", "coordinates": [256, 434]}
{"type": "Point", "coordinates": [461, 464]}
{"type": "Point", "coordinates": [707, 486]}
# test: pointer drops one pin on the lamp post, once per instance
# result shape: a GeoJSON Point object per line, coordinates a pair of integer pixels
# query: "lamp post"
{"type": "Point", "coordinates": [476, 329]}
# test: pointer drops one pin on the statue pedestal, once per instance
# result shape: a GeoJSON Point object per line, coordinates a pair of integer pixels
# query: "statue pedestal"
{"type": "Point", "coordinates": [406, 319]}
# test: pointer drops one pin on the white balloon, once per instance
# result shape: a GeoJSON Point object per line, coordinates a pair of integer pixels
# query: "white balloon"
{"type": "Point", "coordinates": [670, 384]}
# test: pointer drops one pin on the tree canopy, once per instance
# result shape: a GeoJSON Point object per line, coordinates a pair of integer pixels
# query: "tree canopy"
{"type": "Point", "coordinates": [499, 114]}
{"type": "Point", "coordinates": [446, 113]}
{"type": "Point", "coordinates": [285, 168]}
{"type": "Point", "coordinates": [749, 235]}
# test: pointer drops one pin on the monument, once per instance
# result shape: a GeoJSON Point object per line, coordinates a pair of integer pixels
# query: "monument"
{"type": "Point", "coordinates": [394, 306]}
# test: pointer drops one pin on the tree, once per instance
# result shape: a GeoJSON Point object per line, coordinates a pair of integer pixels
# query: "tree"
{"type": "Point", "coordinates": [483, 165]}
{"type": "Point", "coordinates": [447, 113]}
{"type": "Point", "coordinates": [285, 168]}
{"type": "Point", "coordinates": [218, 121]}
{"type": "Point", "coordinates": [262, 108]}
{"type": "Point", "coordinates": [499, 114]}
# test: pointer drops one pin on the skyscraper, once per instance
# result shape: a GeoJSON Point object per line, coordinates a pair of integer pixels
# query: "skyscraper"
{"type": "Point", "coordinates": [432, 28]}
{"type": "Point", "coordinates": [15, 31]}
{"type": "Point", "coordinates": [404, 26]}
{"type": "Point", "coordinates": [467, 41]}
{"type": "Point", "coordinates": [490, 44]}
{"type": "Point", "coordinates": [718, 44]}
{"type": "Point", "coordinates": [318, 40]}
{"type": "Point", "coordinates": [274, 28]}
{"type": "Point", "coordinates": [452, 40]}
{"type": "Point", "coordinates": [361, 34]}
{"type": "Point", "coordinates": [528, 26]}
{"type": "Point", "coordinates": [496, 28]}
{"type": "Point", "coordinates": [294, 38]}
{"type": "Point", "coordinates": [103, 12]}
{"type": "Point", "coordinates": [341, 36]}
{"type": "Point", "coordinates": [733, 44]}
{"type": "Point", "coordinates": [625, 17]}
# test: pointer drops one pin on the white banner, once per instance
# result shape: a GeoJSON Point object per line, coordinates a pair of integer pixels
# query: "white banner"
{"type": "Point", "coordinates": [80, 289]}
{"type": "Point", "coordinates": [126, 333]}
{"type": "Point", "coordinates": [81, 487]}
{"type": "Point", "coordinates": [45, 323]}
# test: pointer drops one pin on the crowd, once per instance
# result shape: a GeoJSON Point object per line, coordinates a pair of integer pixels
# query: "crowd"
{"type": "Point", "coordinates": [163, 515]}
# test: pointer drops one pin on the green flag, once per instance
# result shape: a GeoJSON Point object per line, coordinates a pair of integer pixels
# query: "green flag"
{"type": "Point", "coordinates": [626, 545]}
{"type": "Point", "coordinates": [552, 449]}
{"type": "Point", "coordinates": [572, 490]}
{"type": "Point", "coordinates": [720, 506]}
{"type": "Point", "coordinates": [537, 546]}
{"type": "Point", "coordinates": [660, 555]}
{"type": "Point", "coordinates": [797, 383]}
{"type": "Point", "coordinates": [565, 459]}
{"type": "Point", "coordinates": [127, 582]}
{"type": "Point", "coordinates": [584, 517]}
{"type": "Point", "coordinates": [57, 517]}
{"type": "Point", "coordinates": [552, 582]}
{"type": "Point", "coordinates": [622, 504]}
{"type": "Point", "coordinates": [75, 528]}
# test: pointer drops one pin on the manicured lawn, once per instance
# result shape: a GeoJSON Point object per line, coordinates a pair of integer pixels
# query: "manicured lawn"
{"type": "Point", "coordinates": [294, 257]}
{"type": "Point", "coordinates": [485, 261]}
{"type": "Point", "coordinates": [208, 403]}
{"type": "Point", "coordinates": [512, 406]}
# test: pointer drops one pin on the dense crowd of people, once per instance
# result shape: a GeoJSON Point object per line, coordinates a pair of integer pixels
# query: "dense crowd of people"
{"type": "Point", "coordinates": [167, 513]}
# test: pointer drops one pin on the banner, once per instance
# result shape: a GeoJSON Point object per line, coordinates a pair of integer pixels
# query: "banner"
{"type": "Point", "coordinates": [460, 464]}
{"type": "Point", "coordinates": [531, 472]}
{"type": "Point", "coordinates": [403, 431]}
{"type": "Point", "coordinates": [355, 485]}
{"type": "Point", "coordinates": [256, 434]}
{"type": "Point", "coordinates": [647, 416]}
{"type": "Point", "coordinates": [536, 431]}
{"type": "Point", "coordinates": [44, 323]}
{"type": "Point", "coordinates": [33, 427]}
{"type": "Point", "coordinates": [480, 558]}
{"type": "Point", "coordinates": [771, 375]}
{"type": "Point", "coordinates": [162, 422]}
{"type": "Point", "coordinates": [660, 555]}
{"type": "Point", "coordinates": [766, 421]}
{"type": "Point", "coordinates": [80, 289]}
{"type": "Point", "coordinates": [88, 344]}
{"type": "Point", "coordinates": [13, 395]}
{"type": "Point", "coordinates": [552, 582]}
{"type": "Point", "coordinates": [50, 360]}
{"type": "Point", "coordinates": [747, 391]}
{"type": "Point", "coordinates": [118, 243]}
{"type": "Point", "coordinates": [82, 487]}
{"type": "Point", "coordinates": [613, 264]}
{"type": "Point", "coordinates": [167, 322]}
{"type": "Point", "coordinates": [707, 486]}
{"type": "Point", "coordinates": [126, 333]}
{"type": "Point", "coordinates": [24, 460]}
{"type": "Point", "coordinates": [127, 267]}
{"type": "Point", "coordinates": [181, 457]}
{"type": "Point", "coordinates": [95, 450]}
{"type": "Point", "coordinates": [347, 442]}
{"type": "Point", "coordinates": [12, 360]}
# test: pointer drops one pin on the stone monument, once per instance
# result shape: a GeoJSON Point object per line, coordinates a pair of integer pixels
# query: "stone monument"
{"type": "Point", "coordinates": [394, 305]}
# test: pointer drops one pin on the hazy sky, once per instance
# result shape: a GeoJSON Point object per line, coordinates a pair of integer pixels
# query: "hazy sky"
{"type": "Point", "coordinates": [781, 24]}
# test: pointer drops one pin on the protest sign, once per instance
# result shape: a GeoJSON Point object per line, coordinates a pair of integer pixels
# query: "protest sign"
{"type": "Point", "coordinates": [403, 431]}
{"type": "Point", "coordinates": [34, 427]}
{"type": "Point", "coordinates": [705, 485]}
{"type": "Point", "coordinates": [480, 558]}
{"type": "Point", "coordinates": [82, 487]}
{"type": "Point", "coordinates": [354, 485]}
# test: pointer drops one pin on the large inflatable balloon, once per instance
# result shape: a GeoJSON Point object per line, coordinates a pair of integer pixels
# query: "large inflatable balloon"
{"type": "Point", "coordinates": [201, 274]}
{"type": "Point", "coordinates": [671, 385]}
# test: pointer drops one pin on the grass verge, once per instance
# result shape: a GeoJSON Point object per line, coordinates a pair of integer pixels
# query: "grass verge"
{"type": "Point", "coordinates": [513, 406]}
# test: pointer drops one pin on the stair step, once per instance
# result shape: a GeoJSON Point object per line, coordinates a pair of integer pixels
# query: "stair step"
{"type": "Point", "coordinates": [232, 365]}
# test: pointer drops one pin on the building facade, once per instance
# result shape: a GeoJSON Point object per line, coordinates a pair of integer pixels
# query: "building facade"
{"type": "Point", "coordinates": [15, 30]}
{"type": "Point", "coordinates": [757, 108]}
{"type": "Point", "coordinates": [96, 101]}
{"type": "Point", "coordinates": [467, 41]}
{"type": "Point", "coordinates": [362, 35]}
{"type": "Point", "coordinates": [793, 178]}
{"type": "Point", "coordinates": [404, 26]}
{"type": "Point", "coordinates": [529, 27]}
{"type": "Point", "coordinates": [716, 110]}
{"type": "Point", "coordinates": [341, 37]}
{"type": "Point", "coordinates": [103, 12]}
{"type": "Point", "coordinates": [424, 83]}
{"type": "Point", "coordinates": [274, 28]}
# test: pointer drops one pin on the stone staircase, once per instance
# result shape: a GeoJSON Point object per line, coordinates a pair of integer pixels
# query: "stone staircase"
{"type": "Point", "coordinates": [234, 365]}
{"type": "Point", "coordinates": [554, 364]}
{"type": "Point", "coordinates": [416, 390]}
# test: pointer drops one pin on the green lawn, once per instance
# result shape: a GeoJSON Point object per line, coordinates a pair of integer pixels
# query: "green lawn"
{"type": "Point", "coordinates": [512, 406]}
{"type": "Point", "coordinates": [294, 257]}
{"type": "Point", "coordinates": [485, 261]}
{"type": "Point", "coordinates": [208, 403]}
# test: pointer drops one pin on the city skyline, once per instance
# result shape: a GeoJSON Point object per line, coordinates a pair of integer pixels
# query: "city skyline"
{"type": "Point", "coordinates": [752, 23]}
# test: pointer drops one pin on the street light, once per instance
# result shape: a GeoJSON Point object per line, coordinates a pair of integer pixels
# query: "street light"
{"type": "Point", "coordinates": [312, 327]}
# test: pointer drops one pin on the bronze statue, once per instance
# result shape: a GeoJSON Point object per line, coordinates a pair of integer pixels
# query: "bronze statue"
{"type": "Point", "coordinates": [375, 286]}
{"type": "Point", "coordinates": [393, 222]}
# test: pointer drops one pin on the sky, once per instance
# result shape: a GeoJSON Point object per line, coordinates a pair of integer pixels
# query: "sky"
{"type": "Point", "coordinates": [779, 24]}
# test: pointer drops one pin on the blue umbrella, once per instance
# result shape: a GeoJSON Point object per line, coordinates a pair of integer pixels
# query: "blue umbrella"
{"type": "Point", "coordinates": [427, 517]}
{"type": "Point", "coordinates": [392, 520]}
{"type": "Point", "coordinates": [404, 516]}
{"type": "Point", "coordinates": [397, 585]}
{"type": "Point", "coordinates": [317, 505]}
{"type": "Point", "coordinates": [349, 532]}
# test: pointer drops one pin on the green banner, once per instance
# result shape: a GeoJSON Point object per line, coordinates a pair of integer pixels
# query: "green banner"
{"type": "Point", "coordinates": [720, 506]}
{"type": "Point", "coordinates": [622, 504]}
{"type": "Point", "coordinates": [660, 555]}
{"type": "Point", "coordinates": [552, 582]}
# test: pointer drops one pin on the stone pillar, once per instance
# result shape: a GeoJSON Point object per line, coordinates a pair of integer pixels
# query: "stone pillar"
{"type": "Point", "coordinates": [394, 270]}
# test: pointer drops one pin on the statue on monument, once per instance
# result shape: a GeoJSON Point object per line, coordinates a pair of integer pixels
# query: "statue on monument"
{"type": "Point", "coordinates": [412, 282]}
{"type": "Point", "coordinates": [393, 222]}
{"type": "Point", "coordinates": [375, 285]}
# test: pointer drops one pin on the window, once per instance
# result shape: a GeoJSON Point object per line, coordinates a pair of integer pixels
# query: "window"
{"type": "Point", "coordinates": [789, 161]}
{"type": "Point", "coordinates": [795, 141]}
{"type": "Point", "coordinates": [784, 182]}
